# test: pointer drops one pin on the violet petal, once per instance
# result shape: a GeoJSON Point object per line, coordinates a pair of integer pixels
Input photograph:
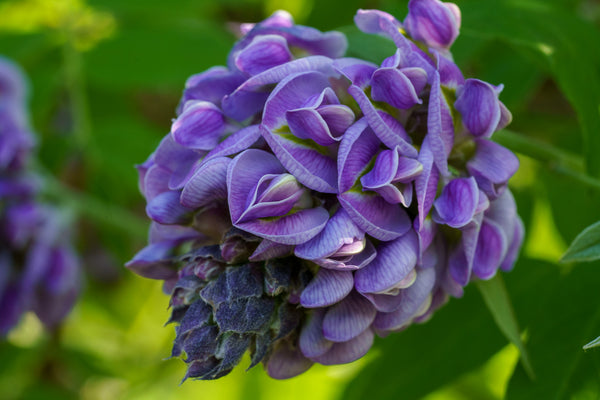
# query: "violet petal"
{"type": "Point", "coordinates": [327, 288]}
{"type": "Point", "coordinates": [394, 261]}
{"type": "Point", "coordinates": [348, 319]}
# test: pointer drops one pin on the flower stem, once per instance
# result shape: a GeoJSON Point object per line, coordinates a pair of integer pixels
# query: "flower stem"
{"type": "Point", "coordinates": [111, 216]}
{"type": "Point", "coordinates": [557, 160]}
{"type": "Point", "coordinates": [75, 86]}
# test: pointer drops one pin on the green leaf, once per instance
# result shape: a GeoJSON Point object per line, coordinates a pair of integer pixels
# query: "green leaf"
{"type": "Point", "coordinates": [573, 204]}
{"type": "Point", "coordinates": [563, 323]}
{"type": "Point", "coordinates": [368, 47]}
{"type": "Point", "coordinates": [459, 338]}
{"type": "Point", "coordinates": [592, 344]}
{"type": "Point", "coordinates": [157, 56]}
{"type": "Point", "coordinates": [558, 37]}
{"type": "Point", "coordinates": [585, 247]}
{"type": "Point", "coordinates": [497, 300]}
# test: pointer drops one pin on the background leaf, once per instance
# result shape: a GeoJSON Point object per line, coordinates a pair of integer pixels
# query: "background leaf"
{"type": "Point", "coordinates": [592, 344]}
{"type": "Point", "coordinates": [556, 38]}
{"type": "Point", "coordinates": [556, 336]}
{"type": "Point", "coordinates": [459, 338]}
{"type": "Point", "coordinates": [585, 247]}
{"type": "Point", "coordinates": [497, 300]}
{"type": "Point", "coordinates": [454, 345]}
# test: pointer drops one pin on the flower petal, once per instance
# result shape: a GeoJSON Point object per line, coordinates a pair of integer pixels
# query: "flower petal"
{"type": "Point", "coordinates": [237, 142]}
{"type": "Point", "coordinates": [440, 127]}
{"type": "Point", "coordinates": [305, 160]}
{"type": "Point", "coordinates": [327, 288]}
{"type": "Point", "coordinates": [243, 174]}
{"type": "Point", "coordinates": [450, 75]}
{"type": "Point", "coordinates": [177, 233]}
{"type": "Point", "coordinates": [338, 118]}
{"type": "Point", "coordinates": [346, 352]}
{"type": "Point", "coordinates": [172, 156]}
{"type": "Point", "coordinates": [389, 131]}
{"type": "Point", "coordinates": [293, 229]}
{"type": "Point", "coordinates": [331, 44]}
{"type": "Point", "coordinates": [457, 204]}
{"type": "Point", "coordinates": [477, 102]}
{"type": "Point", "coordinates": [383, 172]}
{"type": "Point", "coordinates": [381, 23]}
{"type": "Point", "coordinates": [312, 343]}
{"type": "Point", "coordinates": [349, 318]}
{"type": "Point", "coordinates": [399, 88]}
{"type": "Point", "coordinates": [200, 125]}
{"type": "Point", "coordinates": [492, 246]}
{"type": "Point", "coordinates": [433, 22]}
{"type": "Point", "coordinates": [392, 300]}
{"type": "Point", "coordinates": [274, 196]}
{"type": "Point", "coordinates": [209, 183]}
{"type": "Point", "coordinates": [492, 166]}
{"type": "Point", "coordinates": [460, 262]}
{"type": "Point", "coordinates": [412, 299]}
{"type": "Point", "coordinates": [286, 362]}
{"type": "Point", "coordinates": [357, 261]}
{"type": "Point", "coordinates": [426, 183]}
{"type": "Point", "coordinates": [357, 71]}
{"type": "Point", "coordinates": [291, 94]}
{"type": "Point", "coordinates": [268, 249]}
{"type": "Point", "coordinates": [340, 230]}
{"type": "Point", "coordinates": [308, 124]}
{"type": "Point", "coordinates": [263, 53]}
{"type": "Point", "coordinates": [375, 216]}
{"type": "Point", "coordinates": [154, 261]}
{"type": "Point", "coordinates": [394, 261]}
{"type": "Point", "coordinates": [167, 209]}
{"type": "Point", "coordinates": [514, 246]}
{"type": "Point", "coordinates": [249, 98]}
{"type": "Point", "coordinates": [210, 85]}
{"type": "Point", "coordinates": [357, 148]}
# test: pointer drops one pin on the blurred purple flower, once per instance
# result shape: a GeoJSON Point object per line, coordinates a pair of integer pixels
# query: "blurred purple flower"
{"type": "Point", "coordinates": [39, 271]}
{"type": "Point", "coordinates": [304, 202]}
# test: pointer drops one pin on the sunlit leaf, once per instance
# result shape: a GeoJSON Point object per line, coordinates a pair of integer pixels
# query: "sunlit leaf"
{"type": "Point", "coordinates": [497, 300]}
{"type": "Point", "coordinates": [592, 344]}
{"type": "Point", "coordinates": [585, 247]}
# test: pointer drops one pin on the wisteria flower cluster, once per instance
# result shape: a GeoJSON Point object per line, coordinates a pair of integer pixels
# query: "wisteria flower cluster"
{"type": "Point", "coordinates": [39, 271]}
{"type": "Point", "coordinates": [304, 202]}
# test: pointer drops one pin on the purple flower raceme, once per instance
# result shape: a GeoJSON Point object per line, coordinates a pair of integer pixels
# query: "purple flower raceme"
{"type": "Point", "coordinates": [39, 271]}
{"type": "Point", "coordinates": [304, 202]}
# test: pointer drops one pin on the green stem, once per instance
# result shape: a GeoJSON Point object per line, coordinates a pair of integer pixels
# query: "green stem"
{"type": "Point", "coordinates": [75, 86]}
{"type": "Point", "coordinates": [557, 160]}
{"type": "Point", "coordinates": [95, 209]}
{"type": "Point", "coordinates": [537, 149]}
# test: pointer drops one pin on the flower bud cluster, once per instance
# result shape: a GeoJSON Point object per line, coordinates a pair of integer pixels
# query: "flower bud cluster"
{"type": "Point", "coordinates": [304, 202]}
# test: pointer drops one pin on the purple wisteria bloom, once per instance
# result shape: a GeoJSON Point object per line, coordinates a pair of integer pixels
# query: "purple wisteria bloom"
{"type": "Point", "coordinates": [39, 271]}
{"type": "Point", "coordinates": [304, 202]}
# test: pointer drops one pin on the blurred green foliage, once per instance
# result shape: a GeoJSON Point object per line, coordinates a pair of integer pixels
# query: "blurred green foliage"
{"type": "Point", "coordinates": [106, 77]}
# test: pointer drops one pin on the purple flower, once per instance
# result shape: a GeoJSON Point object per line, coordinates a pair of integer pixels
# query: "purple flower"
{"type": "Point", "coordinates": [39, 271]}
{"type": "Point", "coordinates": [304, 202]}
{"type": "Point", "coordinates": [481, 111]}
{"type": "Point", "coordinates": [433, 22]}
